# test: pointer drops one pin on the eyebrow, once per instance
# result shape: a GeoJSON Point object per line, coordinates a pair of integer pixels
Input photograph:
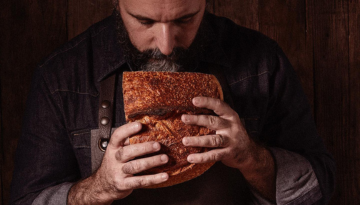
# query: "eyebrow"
{"type": "Point", "coordinates": [144, 18]}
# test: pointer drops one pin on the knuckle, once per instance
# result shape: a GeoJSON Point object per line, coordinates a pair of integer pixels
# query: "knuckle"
{"type": "Point", "coordinates": [216, 141]}
{"type": "Point", "coordinates": [129, 185]}
{"type": "Point", "coordinates": [213, 141]}
{"type": "Point", "coordinates": [131, 167]}
{"type": "Point", "coordinates": [223, 140]}
{"type": "Point", "coordinates": [212, 120]}
{"type": "Point", "coordinates": [127, 169]}
{"type": "Point", "coordinates": [119, 154]}
{"type": "Point", "coordinates": [213, 157]}
{"type": "Point", "coordinates": [220, 156]}
{"type": "Point", "coordinates": [139, 182]}
{"type": "Point", "coordinates": [119, 184]}
{"type": "Point", "coordinates": [216, 157]}
{"type": "Point", "coordinates": [136, 166]}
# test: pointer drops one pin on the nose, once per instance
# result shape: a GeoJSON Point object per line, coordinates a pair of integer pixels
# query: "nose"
{"type": "Point", "coordinates": [165, 39]}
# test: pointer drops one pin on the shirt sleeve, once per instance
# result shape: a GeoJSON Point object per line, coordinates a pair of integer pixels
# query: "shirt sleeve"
{"type": "Point", "coordinates": [44, 158]}
{"type": "Point", "coordinates": [56, 195]}
{"type": "Point", "coordinates": [296, 182]}
{"type": "Point", "coordinates": [306, 170]}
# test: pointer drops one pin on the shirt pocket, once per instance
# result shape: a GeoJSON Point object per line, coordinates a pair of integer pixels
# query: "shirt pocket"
{"type": "Point", "coordinates": [81, 141]}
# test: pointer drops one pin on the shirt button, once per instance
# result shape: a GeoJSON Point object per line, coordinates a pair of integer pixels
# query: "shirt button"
{"type": "Point", "coordinates": [104, 121]}
{"type": "Point", "coordinates": [105, 104]}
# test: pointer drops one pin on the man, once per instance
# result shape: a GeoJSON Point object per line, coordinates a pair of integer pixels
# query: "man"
{"type": "Point", "coordinates": [271, 155]}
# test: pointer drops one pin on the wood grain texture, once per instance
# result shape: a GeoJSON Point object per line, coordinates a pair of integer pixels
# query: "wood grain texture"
{"type": "Point", "coordinates": [332, 92]}
{"type": "Point", "coordinates": [1, 154]}
{"type": "Point", "coordinates": [285, 22]}
{"type": "Point", "coordinates": [83, 14]}
{"type": "Point", "coordinates": [244, 13]}
{"type": "Point", "coordinates": [30, 30]}
{"type": "Point", "coordinates": [353, 138]}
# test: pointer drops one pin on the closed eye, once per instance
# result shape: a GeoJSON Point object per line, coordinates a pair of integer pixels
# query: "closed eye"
{"type": "Point", "coordinates": [183, 20]}
{"type": "Point", "coordinates": [146, 22]}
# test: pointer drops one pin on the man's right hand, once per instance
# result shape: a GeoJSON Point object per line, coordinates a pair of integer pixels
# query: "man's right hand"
{"type": "Point", "coordinates": [115, 178]}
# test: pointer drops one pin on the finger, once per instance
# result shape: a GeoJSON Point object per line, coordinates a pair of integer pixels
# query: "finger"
{"type": "Point", "coordinates": [127, 141]}
{"type": "Point", "coordinates": [206, 141]}
{"type": "Point", "coordinates": [129, 152]}
{"type": "Point", "coordinates": [206, 157]}
{"type": "Point", "coordinates": [210, 121]}
{"type": "Point", "coordinates": [144, 181]}
{"type": "Point", "coordinates": [120, 134]}
{"type": "Point", "coordinates": [139, 165]}
{"type": "Point", "coordinates": [218, 106]}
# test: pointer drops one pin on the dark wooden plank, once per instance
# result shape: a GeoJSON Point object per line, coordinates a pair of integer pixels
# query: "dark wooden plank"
{"type": "Point", "coordinates": [244, 13]}
{"type": "Point", "coordinates": [354, 107]}
{"type": "Point", "coordinates": [83, 14]}
{"type": "Point", "coordinates": [1, 154]}
{"type": "Point", "coordinates": [30, 30]}
{"type": "Point", "coordinates": [285, 22]}
{"type": "Point", "coordinates": [332, 92]}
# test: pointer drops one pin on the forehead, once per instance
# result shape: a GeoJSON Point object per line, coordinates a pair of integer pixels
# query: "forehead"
{"type": "Point", "coordinates": [161, 10]}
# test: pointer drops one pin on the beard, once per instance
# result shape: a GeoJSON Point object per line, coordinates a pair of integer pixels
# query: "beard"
{"type": "Point", "coordinates": [153, 60]}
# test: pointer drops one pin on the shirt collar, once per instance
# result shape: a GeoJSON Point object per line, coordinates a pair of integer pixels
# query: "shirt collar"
{"type": "Point", "coordinates": [107, 54]}
{"type": "Point", "coordinates": [213, 52]}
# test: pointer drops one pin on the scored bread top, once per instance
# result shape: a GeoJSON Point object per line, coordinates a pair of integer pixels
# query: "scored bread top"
{"type": "Point", "coordinates": [158, 93]}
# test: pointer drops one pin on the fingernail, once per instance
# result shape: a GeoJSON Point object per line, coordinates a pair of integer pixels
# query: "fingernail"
{"type": "Point", "coordinates": [164, 158]}
{"type": "Point", "coordinates": [185, 141]}
{"type": "Point", "coordinates": [137, 125]}
{"type": "Point", "coordinates": [164, 176]}
{"type": "Point", "coordinates": [185, 118]}
{"type": "Point", "coordinates": [190, 159]}
{"type": "Point", "coordinates": [156, 146]}
{"type": "Point", "coordinates": [196, 100]}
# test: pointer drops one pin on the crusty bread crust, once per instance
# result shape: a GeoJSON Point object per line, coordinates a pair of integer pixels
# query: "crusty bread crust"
{"type": "Point", "coordinates": [157, 100]}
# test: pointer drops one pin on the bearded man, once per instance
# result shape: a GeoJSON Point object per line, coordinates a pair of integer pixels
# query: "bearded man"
{"type": "Point", "coordinates": [267, 150]}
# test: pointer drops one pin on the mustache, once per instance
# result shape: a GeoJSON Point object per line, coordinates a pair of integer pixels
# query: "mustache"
{"type": "Point", "coordinates": [157, 55]}
{"type": "Point", "coordinates": [154, 60]}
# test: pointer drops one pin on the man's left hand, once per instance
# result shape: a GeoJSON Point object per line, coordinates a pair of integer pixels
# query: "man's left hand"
{"type": "Point", "coordinates": [233, 145]}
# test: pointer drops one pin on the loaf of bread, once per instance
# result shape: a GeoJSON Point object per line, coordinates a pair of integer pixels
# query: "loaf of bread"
{"type": "Point", "coordinates": [157, 100]}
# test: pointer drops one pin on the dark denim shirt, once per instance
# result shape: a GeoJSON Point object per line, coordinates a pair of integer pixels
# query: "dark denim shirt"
{"type": "Point", "coordinates": [54, 150]}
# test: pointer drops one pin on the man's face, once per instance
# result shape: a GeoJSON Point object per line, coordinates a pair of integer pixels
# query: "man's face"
{"type": "Point", "coordinates": [162, 24]}
{"type": "Point", "coordinates": [161, 29]}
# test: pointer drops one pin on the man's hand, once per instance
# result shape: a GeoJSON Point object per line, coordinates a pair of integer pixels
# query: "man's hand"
{"type": "Point", "coordinates": [115, 178]}
{"type": "Point", "coordinates": [233, 146]}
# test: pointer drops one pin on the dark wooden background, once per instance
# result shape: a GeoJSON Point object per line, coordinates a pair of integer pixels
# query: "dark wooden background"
{"type": "Point", "coordinates": [320, 37]}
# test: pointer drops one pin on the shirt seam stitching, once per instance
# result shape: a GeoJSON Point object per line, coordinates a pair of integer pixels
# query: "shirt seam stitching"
{"type": "Point", "coordinates": [79, 42]}
{"type": "Point", "coordinates": [80, 93]}
{"type": "Point", "coordinates": [263, 73]}
{"type": "Point", "coordinates": [81, 133]}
